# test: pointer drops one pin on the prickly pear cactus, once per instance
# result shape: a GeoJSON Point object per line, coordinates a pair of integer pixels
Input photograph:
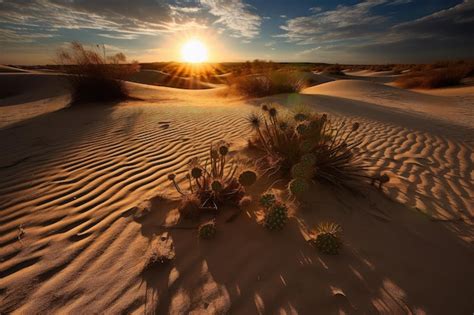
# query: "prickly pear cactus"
{"type": "Point", "coordinates": [207, 230]}
{"type": "Point", "coordinates": [276, 217]}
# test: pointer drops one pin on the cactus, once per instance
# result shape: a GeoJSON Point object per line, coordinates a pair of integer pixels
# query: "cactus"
{"type": "Point", "coordinates": [267, 199]}
{"type": "Point", "coordinates": [223, 149]}
{"type": "Point", "coordinates": [196, 172]}
{"type": "Point", "coordinates": [300, 117]}
{"type": "Point", "coordinates": [307, 145]}
{"type": "Point", "coordinates": [216, 186]}
{"type": "Point", "coordinates": [301, 128]}
{"type": "Point", "coordinates": [298, 186]}
{"type": "Point", "coordinates": [328, 243]}
{"type": "Point", "coordinates": [327, 240]}
{"type": "Point", "coordinates": [302, 170]}
{"type": "Point", "coordinates": [207, 230]}
{"type": "Point", "coordinates": [308, 159]}
{"type": "Point", "coordinates": [247, 178]}
{"type": "Point", "coordinates": [276, 217]}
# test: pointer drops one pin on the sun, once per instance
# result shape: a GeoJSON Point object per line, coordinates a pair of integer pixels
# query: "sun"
{"type": "Point", "coordinates": [194, 51]}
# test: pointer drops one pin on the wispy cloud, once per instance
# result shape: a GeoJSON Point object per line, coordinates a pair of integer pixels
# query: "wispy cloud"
{"type": "Point", "coordinates": [236, 16]}
{"type": "Point", "coordinates": [343, 22]}
{"type": "Point", "coordinates": [144, 17]}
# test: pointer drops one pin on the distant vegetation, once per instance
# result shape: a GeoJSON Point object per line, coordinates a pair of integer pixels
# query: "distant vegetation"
{"type": "Point", "coordinates": [437, 75]}
{"type": "Point", "coordinates": [268, 83]}
{"type": "Point", "coordinates": [95, 77]}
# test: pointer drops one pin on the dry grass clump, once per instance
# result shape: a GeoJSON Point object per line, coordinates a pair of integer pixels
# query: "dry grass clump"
{"type": "Point", "coordinates": [306, 146]}
{"type": "Point", "coordinates": [213, 183]}
{"type": "Point", "coordinates": [333, 70]}
{"type": "Point", "coordinates": [436, 77]}
{"type": "Point", "coordinates": [94, 76]}
{"type": "Point", "coordinates": [268, 83]}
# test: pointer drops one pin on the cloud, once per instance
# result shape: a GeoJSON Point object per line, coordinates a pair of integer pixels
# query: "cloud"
{"type": "Point", "coordinates": [343, 22]}
{"type": "Point", "coordinates": [308, 51]}
{"type": "Point", "coordinates": [236, 16]}
{"type": "Point", "coordinates": [398, 2]}
{"type": "Point", "coordinates": [355, 32]}
{"type": "Point", "coordinates": [113, 17]}
{"type": "Point", "coordinates": [455, 22]}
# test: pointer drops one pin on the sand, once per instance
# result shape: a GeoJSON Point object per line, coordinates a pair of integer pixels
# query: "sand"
{"type": "Point", "coordinates": [84, 194]}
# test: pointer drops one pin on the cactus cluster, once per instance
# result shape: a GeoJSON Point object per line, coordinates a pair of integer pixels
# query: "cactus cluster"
{"type": "Point", "coordinates": [328, 240]}
{"type": "Point", "coordinates": [213, 183]}
{"type": "Point", "coordinates": [307, 145]}
{"type": "Point", "coordinates": [207, 230]}
{"type": "Point", "coordinates": [276, 216]}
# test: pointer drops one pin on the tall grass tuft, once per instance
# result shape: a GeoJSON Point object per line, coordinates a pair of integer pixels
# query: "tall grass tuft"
{"type": "Point", "coordinates": [94, 77]}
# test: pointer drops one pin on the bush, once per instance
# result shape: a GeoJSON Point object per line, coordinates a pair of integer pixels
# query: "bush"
{"type": "Point", "coordinates": [93, 76]}
{"type": "Point", "coordinates": [436, 77]}
{"type": "Point", "coordinates": [305, 147]}
{"type": "Point", "coordinates": [268, 83]}
{"type": "Point", "coordinates": [213, 183]}
{"type": "Point", "coordinates": [333, 70]}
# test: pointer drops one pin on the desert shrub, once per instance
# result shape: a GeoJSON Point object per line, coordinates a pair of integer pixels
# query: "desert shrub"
{"type": "Point", "coordinates": [436, 77]}
{"type": "Point", "coordinates": [334, 70]}
{"type": "Point", "coordinates": [268, 83]}
{"type": "Point", "coordinates": [306, 146]}
{"type": "Point", "coordinates": [212, 183]}
{"type": "Point", "coordinates": [93, 76]}
{"type": "Point", "coordinates": [328, 240]}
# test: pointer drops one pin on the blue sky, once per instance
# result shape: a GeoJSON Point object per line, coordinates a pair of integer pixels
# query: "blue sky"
{"type": "Point", "coordinates": [368, 31]}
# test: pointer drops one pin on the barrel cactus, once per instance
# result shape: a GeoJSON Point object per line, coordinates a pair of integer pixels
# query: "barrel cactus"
{"type": "Point", "coordinates": [298, 186]}
{"type": "Point", "coordinates": [267, 199]}
{"type": "Point", "coordinates": [302, 170]}
{"type": "Point", "coordinates": [247, 178]}
{"type": "Point", "coordinates": [276, 217]}
{"type": "Point", "coordinates": [307, 145]}
{"type": "Point", "coordinates": [216, 186]}
{"type": "Point", "coordinates": [328, 243]}
{"type": "Point", "coordinates": [308, 159]}
{"type": "Point", "coordinates": [327, 240]}
{"type": "Point", "coordinates": [207, 230]}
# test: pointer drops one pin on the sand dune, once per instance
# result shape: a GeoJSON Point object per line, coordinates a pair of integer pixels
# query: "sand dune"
{"type": "Point", "coordinates": [455, 110]}
{"type": "Point", "coordinates": [80, 208]}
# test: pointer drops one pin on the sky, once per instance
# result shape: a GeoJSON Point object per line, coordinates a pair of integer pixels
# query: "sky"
{"type": "Point", "coordinates": [350, 32]}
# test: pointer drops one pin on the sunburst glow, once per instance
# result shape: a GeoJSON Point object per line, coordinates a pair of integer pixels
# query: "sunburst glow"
{"type": "Point", "coordinates": [194, 51]}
